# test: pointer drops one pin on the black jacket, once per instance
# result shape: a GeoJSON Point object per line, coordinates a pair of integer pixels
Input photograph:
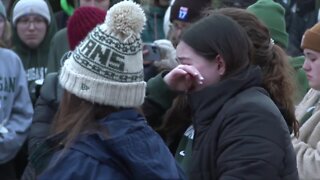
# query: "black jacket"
{"type": "Point", "coordinates": [46, 106]}
{"type": "Point", "coordinates": [240, 133]}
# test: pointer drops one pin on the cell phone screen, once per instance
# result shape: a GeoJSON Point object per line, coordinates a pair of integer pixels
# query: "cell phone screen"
{"type": "Point", "coordinates": [151, 53]}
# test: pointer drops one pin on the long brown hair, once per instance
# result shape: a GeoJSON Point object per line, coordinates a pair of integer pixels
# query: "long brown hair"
{"type": "Point", "coordinates": [5, 39]}
{"type": "Point", "coordinates": [76, 115]}
{"type": "Point", "coordinates": [175, 121]}
{"type": "Point", "coordinates": [277, 72]}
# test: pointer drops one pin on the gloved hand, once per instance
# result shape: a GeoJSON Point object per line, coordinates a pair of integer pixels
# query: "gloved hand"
{"type": "Point", "coordinates": [168, 55]}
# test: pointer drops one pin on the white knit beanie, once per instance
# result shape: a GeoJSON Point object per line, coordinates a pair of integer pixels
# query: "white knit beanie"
{"type": "Point", "coordinates": [107, 67]}
{"type": "Point", "coordinates": [26, 7]}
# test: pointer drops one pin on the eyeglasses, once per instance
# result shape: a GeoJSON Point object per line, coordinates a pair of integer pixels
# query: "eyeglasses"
{"type": "Point", "coordinates": [25, 22]}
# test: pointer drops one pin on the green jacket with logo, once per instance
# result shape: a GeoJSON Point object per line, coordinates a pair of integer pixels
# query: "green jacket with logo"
{"type": "Point", "coordinates": [159, 99]}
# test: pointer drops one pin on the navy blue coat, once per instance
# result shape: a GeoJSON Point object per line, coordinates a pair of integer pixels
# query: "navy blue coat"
{"type": "Point", "coordinates": [132, 151]}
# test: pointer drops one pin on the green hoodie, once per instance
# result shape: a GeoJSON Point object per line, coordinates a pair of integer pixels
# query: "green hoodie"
{"type": "Point", "coordinates": [154, 25]}
{"type": "Point", "coordinates": [159, 93]}
{"type": "Point", "coordinates": [34, 60]}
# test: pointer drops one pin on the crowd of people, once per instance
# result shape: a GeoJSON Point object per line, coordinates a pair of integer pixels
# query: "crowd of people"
{"type": "Point", "coordinates": [160, 89]}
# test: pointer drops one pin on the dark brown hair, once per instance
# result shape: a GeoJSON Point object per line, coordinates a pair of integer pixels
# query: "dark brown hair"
{"type": "Point", "coordinates": [217, 34]}
{"type": "Point", "coordinates": [277, 72]}
{"type": "Point", "coordinates": [220, 34]}
{"type": "Point", "coordinates": [5, 39]}
{"type": "Point", "coordinates": [277, 77]}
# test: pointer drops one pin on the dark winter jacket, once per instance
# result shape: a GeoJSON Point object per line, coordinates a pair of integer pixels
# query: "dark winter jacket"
{"type": "Point", "coordinates": [299, 24]}
{"type": "Point", "coordinates": [59, 46]}
{"type": "Point", "coordinates": [132, 151]}
{"type": "Point", "coordinates": [154, 25]}
{"type": "Point", "coordinates": [239, 132]}
{"type": "Point", "coordinates": [45, 109]}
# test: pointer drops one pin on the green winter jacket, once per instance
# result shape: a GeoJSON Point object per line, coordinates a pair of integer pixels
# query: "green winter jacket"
{"type": "Point", "coordinates": [154, 25]}
{"type": "Point", "coordinates": [158, 100]}
{"type": "Point", "coordinates": [59, 46]}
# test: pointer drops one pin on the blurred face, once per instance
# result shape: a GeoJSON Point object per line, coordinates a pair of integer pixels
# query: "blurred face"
{"type": "Point", "coordinates": [31, 30]}
{"type": "Point", "coordinates": [102, 4]}
{"type": "Point", "coordinates": [211, 70]}
{"type": "Point", "coordinates": [164, 2]}
{"type": "Point", "coordinates": [2, 25]}
{"type": "Point", "coordinates": [312, 68]}
{"type": "Point", "coordinates": [176, 30]}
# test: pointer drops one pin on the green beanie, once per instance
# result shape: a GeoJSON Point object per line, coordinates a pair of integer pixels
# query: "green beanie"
{"type": "Point", "coordinates": [272, 15]}
{"type": "Point", "coordinates": [3, 10]}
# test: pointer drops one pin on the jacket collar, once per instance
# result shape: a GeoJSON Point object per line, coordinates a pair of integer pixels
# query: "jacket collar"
{"type": "Point", "coordinates": [207, 102]}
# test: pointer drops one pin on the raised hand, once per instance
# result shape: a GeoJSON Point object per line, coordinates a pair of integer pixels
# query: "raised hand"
{"type": "Point", "coordinates": [184, 78]}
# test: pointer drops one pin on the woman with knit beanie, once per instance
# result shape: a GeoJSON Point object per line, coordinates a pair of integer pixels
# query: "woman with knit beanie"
{"type": "Point", "coordinates": [103, 135]}
{"type": "Point", "coordinates": [233, 116]}
{"type": "Point", "coordinates": [83, 20]}
{"type": "Point", "coordinates": [307, 145]}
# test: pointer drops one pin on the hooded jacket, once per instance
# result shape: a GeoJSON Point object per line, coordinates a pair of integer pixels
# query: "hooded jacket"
{"type": "Point", "coordinates": [132, 151]}
{"type": "Point", "coordinates": [35, 60]}
{"type": "Point", "coordinates": [154, 27]}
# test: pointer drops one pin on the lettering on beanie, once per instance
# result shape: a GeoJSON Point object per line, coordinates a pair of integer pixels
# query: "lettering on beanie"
{"type": "Point", "coordinates": [106, 56]}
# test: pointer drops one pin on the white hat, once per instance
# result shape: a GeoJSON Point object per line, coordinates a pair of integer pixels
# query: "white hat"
{"type": "Point", "coordinates": [107, 67]}
{"type": "Point", "coordinates": [25, 7]}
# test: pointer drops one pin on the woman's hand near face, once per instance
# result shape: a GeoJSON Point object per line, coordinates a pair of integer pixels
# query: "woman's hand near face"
{"type": "Point", "coordinates": [184, 78]}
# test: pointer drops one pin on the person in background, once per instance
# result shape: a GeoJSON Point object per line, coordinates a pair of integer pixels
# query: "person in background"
{"type": "Point", "coordinates": [104, 135]}
{"type": "Point", "coordinates": [15, 112]}
{"type": "Point", "coordinates": [182, 14]}
{"type": "Point", "coordinates": [5, 27]}
{"type": "Point", "coordinates": [305, 14]}
{"type": "Point", "coordinates": [59, 44]}
{"type": "Point", "coordinates": [243, 4]}
{"type": "Point", "coordinates": [15, 105]}
{"type": "Point", "coordinates": [307, 145]}
{"type": "Point", "coordinates": [33, 28]}
{"type": "Point", "coordinates": [277, 27]}
{"type": "Point", "coordinates": [62, 16]}
{"type": "Point", "coordinates": [155, 10]}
